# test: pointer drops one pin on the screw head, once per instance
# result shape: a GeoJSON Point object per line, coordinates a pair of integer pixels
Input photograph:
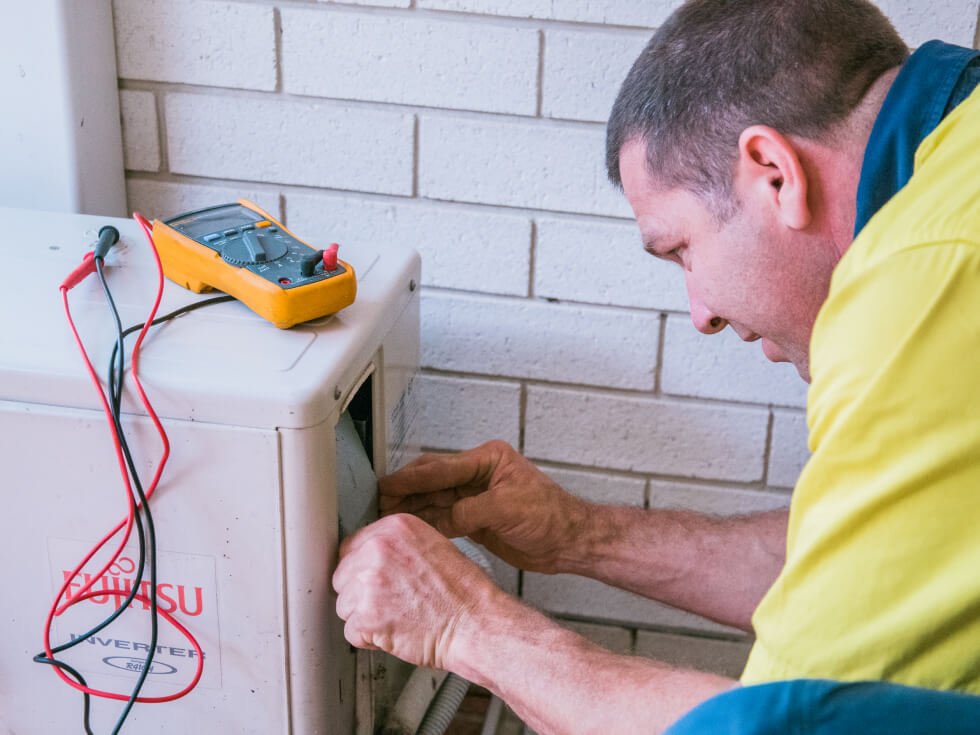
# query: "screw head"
{"type": "Point", "coordinates": [412, 285]}
{"type": "Point", "coordinates": [337, 393]}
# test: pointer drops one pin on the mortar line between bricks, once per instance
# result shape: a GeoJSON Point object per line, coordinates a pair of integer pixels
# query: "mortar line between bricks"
{"type": "Point", "coordinates": [381, 106]}
{"type": "Point", "coordinates": [767, 449]}
{"type": "Point", "coordinates": [532, 259]}
{"type": "Point", "coordinates": [554, 303]}
{"type": "Point", "coordinates": [453, 16]}
{"type": "Point", "coordinates": [976, 35]}
{"type": "Point", "coordinates": [521, 416]}
{"type": "Point", "coordinates": [383, 198]}
{"type": "Point", "coordinates": [629, 394]}
{"type": "Point", "coordinates": [416, 158]}
{"type": "Point", "coordinates": [659, 367]}
{"type": "Point", "coordinates": [163, 142]}
{"type": "Point", "coordinates": [539, 102]}
{"type": "Point", "coordinates": [277, 45]}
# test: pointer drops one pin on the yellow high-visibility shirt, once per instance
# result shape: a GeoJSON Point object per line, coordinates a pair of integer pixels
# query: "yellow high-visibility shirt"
{"type": "Point", "coordinates": [882, 574]}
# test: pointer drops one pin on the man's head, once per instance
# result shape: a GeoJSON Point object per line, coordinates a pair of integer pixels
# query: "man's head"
{"type": "Point", "coordinates": [737, 137]}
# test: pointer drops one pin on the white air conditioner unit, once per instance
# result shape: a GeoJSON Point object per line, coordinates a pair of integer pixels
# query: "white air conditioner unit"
{"type": "Point", "coordinates": [274, 436]}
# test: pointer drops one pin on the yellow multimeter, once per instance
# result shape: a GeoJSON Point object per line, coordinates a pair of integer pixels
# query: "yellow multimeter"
{"type": "Point", "coordinates": [239, 249]}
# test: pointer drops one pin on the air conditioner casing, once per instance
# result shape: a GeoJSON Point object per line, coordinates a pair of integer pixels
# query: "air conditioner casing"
{"type": "Point", "coordinates": [263, 470]}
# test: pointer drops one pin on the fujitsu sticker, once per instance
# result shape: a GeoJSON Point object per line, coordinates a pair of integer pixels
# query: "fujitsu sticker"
{"type": "Point", "coordinates": [185, 587]}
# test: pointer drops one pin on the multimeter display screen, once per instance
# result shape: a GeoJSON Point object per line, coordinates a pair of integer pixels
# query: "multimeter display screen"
{"type": "Point", "coordinates": [214, 220]}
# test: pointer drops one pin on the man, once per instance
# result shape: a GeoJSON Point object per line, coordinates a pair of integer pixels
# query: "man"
{"type": "Point", "coordinates": [820, 191]}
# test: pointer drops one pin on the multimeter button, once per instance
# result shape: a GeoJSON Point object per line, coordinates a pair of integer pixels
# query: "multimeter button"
{"type": "Point", "coordinates": [273, 229]}
{"type": "Point", "coordinates": [230, 233]}
{"type": "Point", "coordinates": [263, 223]}
{"type": "Point", "coordinates": [330, 257]}
{"type": "Point", "coordinates": [212, 237]}
{"type": "Point", "coordinates": [246, 228]}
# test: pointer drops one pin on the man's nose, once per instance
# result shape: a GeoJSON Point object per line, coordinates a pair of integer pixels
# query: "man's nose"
{"type": "Point", "coordinates": [705, 320]}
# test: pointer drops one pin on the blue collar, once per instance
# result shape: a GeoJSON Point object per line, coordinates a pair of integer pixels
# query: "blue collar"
{"type": "Point", "coordinates": [934, 79]}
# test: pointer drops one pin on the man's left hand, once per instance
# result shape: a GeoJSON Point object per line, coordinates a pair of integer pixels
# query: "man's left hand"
{"type": "Point", "coordinates": [405, 589]}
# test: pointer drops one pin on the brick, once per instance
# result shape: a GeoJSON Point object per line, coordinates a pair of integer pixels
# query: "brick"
{"type": "Point", "coordinates": [462, 413]}
{"type": "Point", "coordinates": [645, 434]}
{"type": "Point", "coordinates": [612, 638]}
{"type": "Point", "coordinates": [222, 44]}
{"type": "Point", "coordinates": [141, 139]}
{"type": "Point", "coordinates": [448, 64]}
{"type": "Point", "coordinates": [726, 658]}
{"type": "Point", "coordinates": [460, 248]}
{"type": "Point", "coordinates": [529, 339]}
{"type": "Point", "coordinates": [520, 164]}
{"type": "Point", "coordinates": [603, 263]}
{"type": "Point", "coordinates": [570, 595]}
{"type": "Point", "coordinates": [714, 500]}
{"type": "Point", "coordinates": [600, 488]}
{"type": "Point", "coordinates": [164, 199]}
{"type": "Point", "coordinates": [954, 21]}
{"type": "Point", "coordinates": [306, 143]}
{"type": "Point", "coordinates": [583, 71]}
{"type": "Point", "coordinates": [722, 366]}
{"type": "Point", "coordinates": [649, 13]}
{"type": "Point", "coordinates": [789, 451]}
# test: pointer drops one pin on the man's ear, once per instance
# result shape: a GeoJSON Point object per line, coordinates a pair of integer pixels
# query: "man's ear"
{"type": "Point", "coordinates": [769, 167]}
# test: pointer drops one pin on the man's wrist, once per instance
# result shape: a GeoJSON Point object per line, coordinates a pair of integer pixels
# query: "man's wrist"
{"type": "Point", "coordinates": [495, 634]}
{"type": "Point", "coordinates": [589, 531]}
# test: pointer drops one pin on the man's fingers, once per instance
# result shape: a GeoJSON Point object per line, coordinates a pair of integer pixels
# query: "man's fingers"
{"type": "Point", "coordinates": [438, 474]}
{"type": "Point", "coordinates": [356, 637]}
{"type": "Point", "coordinates": [415, 503]}
{"type": "Point", "coordinates": [463, 518]}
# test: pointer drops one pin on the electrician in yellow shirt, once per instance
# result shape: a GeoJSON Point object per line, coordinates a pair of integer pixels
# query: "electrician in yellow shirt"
{"type": "Point", "coordinates": [818, 188]}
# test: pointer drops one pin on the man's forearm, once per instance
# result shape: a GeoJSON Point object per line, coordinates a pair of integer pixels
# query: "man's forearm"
{"type": "Point", "coordinates": [558, 682]}
{"type": "Point", "coordinates": [717, 567]}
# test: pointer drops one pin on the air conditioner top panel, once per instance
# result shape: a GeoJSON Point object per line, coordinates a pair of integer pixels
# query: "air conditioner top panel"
{"type": "Point", "coordinates": [221, 364]}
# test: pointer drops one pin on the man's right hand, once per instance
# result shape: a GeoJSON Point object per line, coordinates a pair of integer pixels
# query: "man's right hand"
{"type": "Point", "coordinates": [495, 496]}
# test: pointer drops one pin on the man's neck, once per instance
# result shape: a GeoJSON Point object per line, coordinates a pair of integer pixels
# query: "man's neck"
{"type": "Point", "coordinates": [850, 141]}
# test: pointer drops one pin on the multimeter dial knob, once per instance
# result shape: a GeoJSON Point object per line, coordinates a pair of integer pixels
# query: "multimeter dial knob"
{"type": "Point", "coordinates": [253, 247]}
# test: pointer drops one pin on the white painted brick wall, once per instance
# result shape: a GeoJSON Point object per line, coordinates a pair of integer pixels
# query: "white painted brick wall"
{"type": "Point", "coordinates": [463, 413]}
{"type": "Point", "coordinates": [951, 20]}
{"type": "Point", "coordinates": [425, 62]}
{"type": "Point", "coordinates": [583, 71]}
{"type": "Point", "coordinates": [600, 487]}
{"type": "Point", "coordinates": [645, 434]}
{"type": "Point", "coordinates": [308, 143]}
{"type": "Point", "coordinates": [517, 164]}
{"type": "Point", "coordinates": [724, 367]}
{"type": "Point", "coordinates": [164, 199]}
{"type": "Point", "coordinates": [647, 13]}
{"type": "Point", "coordinates": [789, 447]}
{"type": "Point", "coordinates": [141, 138]}
{"type": "Point", "coordinates": [530, 339]}
{"type": "Point", "coordinates": [461, 247]}
{"type": "Point", "coordinates": [603, 263]}
{"type": "Point", "coordinates": [222, 44]}
{"type": "Point", "coordinates": [471, 130]}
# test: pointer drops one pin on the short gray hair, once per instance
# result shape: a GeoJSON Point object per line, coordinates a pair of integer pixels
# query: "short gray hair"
{"type": "Point", "coordinates": [718, 66]}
